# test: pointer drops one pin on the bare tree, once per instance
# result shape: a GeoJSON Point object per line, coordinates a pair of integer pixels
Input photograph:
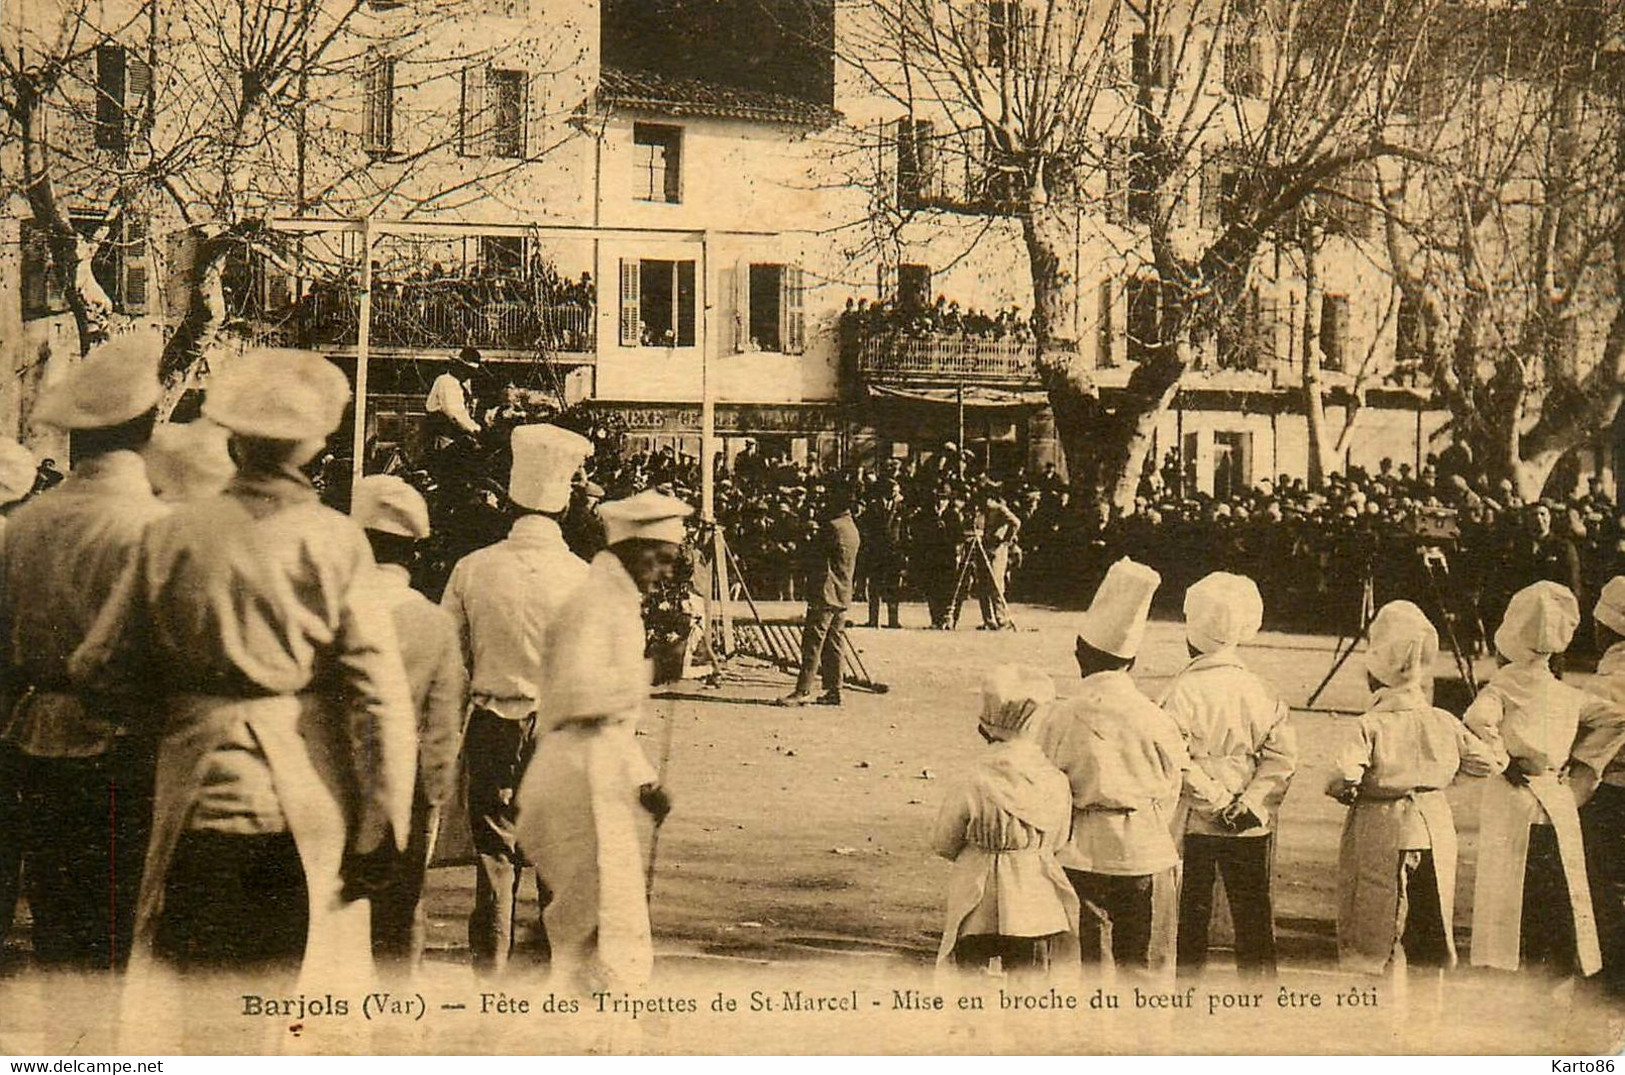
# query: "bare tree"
{"type": "Point", "coordinates": [1211, 121]}
{"type": "Point", "coordinates": [1508, 242]}
{"type": "Point", "coordinates": [219, 115]}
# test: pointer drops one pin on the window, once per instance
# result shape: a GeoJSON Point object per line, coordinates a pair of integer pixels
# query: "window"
{"type": "Point", "coordinates": [119, 262]}
{"type": "Point", "coordinates": [1232, 464]}
{"type": "Point", "coordinates": [502, 255]}
{"type": "Point", "coordinates": [1334, 331]}
{"type": "Point", "coordinates": [999, 176]}
{"type": "Point", "coordinates": [1144, 317]}
{"type": "Point", "coordinates": [1243, 70]}
{"type": "Point", "coordinates": [657, 303]}
{"type": "Point", "coordinates": [913, 286]}
{"type": "Point", "coordinates": [1011, 30]}
{"type": "Point", "coordinates": [123, 96]}
{"type": "Point", "coordinates": [659, 162]}
{"type": "Point", "coordinates": [506, 100]}
{"type": "Point", "coordinates": [491, 115]}
{"type": "Point", "coordinates": [1224, 189]}
{"type": "Point", "coordinates": [1105, 329]}
{"type": "Point", "coordinates": [777, 318]}
{"type": "Point", "coordinates": [41, 283]}
{"type": "Point", "coordinates": [916, 163]}
{"type": "Point", "coordinates": [1115, 171]}
{"type": "Point", "coordinates": [1154, 60]}
{"type": "Point", "coordinates": [378, 135]}
{"type": "Point", "coordinates": [1349, 203]}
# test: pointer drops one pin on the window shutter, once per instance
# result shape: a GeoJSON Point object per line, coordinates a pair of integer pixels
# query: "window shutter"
{"type": "Point", "coordinates": [908, 164]}
{"type": "Point", "coordinates": [1212, 188]}
{"type": "Point", "coordinates": [925, 159]}
{"type": "Point", "coordinates": [1164, 72]}
{"type": "Point", "coordinates": [1268, 331]}
{"type": "Point", "coordinates": [792, 311]}
{"type": "Point", "coordinates": [973, 29]}
{"type": "Point", "coordinates": [1105, 331]}
{"type": "Point", "coordinates": [685, 296]}
{"type": "Point", "coordinates": [110, 97]}
{"type": "Point", "coordinates": [473, 115]}
{"type": "Point", "coordinates": [631, 306]}
{"type": "Point", "coordinates": [137, 94]}
{"type": "Point", "coordinates": [1024, 42]}
{"type": "Point", "coordinates": [741, 295]}
{"type": "Point", "coordinates": [133, 265]}
{"type": "Point", "coordinates": [886, 281]}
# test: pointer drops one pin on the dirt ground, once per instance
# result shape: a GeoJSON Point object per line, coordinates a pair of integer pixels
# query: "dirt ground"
{"type": "Point", "coordinates": [796, 860]}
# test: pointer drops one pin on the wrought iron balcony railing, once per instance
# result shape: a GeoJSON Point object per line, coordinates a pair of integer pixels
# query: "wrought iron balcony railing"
{"type": "Point", "coordinates": [447, 321]}
{"type": "Point", "coordinates": [898, 358]}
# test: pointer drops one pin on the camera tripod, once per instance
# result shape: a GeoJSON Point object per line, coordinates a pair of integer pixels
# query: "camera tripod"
{"type": "Point", "coordinates": [1437, 570]}
{"type": "Point", "coordinates": [973, 558]}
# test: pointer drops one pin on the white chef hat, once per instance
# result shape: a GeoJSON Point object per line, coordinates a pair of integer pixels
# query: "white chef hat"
{"type": "Point", "coordinates": [1611, 605]}
{"type": "Point", "coordinates": [278, 394]}
{"type": "Point", "coordinates": [1404, 645]}
{"type": "Point", "coordinates": [18, 470]}
{"type": "Point", "coordinates": [1115, 620]}
{"type": "Point", "coordinates": [388, 505]}
{"type": "Point", "coordinates": [649, 515]}
{"type": "Point", "coordinates": [1222, 610]}
{"type": "Point", "coordinates": [115, 382]}
{"type": "Point", "coordinates": [188, 461]}
{"type": "Point", "coordinates": [1011, 694]}
{"type": "Point", "coordinates": [1539, 621]}
{"type": "Point", "coordinates": [545, 459]}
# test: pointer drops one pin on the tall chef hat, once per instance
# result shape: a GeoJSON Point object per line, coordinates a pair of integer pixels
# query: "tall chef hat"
{"type": "Point", "coordinates": [545, 459]}
{"type": "Point", "coordinates": [1115, 620]}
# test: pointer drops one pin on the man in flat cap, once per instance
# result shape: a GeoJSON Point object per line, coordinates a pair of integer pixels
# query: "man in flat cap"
{"type": "Point", "coordinates": [582, 802]}
{"type": "Point", "coordinates": [189, 461]}
{"type": "Point", "coordinates": [64, 553]}
{"type": "Point", "coordinates": [1243, 753]}
{"type": "Point", "coordinates": [503, 599]}
{"type": "Point", "coordinates": [287, 761]}
{"type": "Point", "coordinates": [396, 519]}
{"type": "Point", "coordinates": [1126, 762]}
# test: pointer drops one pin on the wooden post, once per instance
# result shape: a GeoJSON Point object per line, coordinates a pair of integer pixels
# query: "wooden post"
{"type": "Point", "coordinates": [363, 341]}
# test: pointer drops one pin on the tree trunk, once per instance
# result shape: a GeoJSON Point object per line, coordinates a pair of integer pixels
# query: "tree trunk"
{"type": "Point", "coordinates": [201, 325]}
{"type": "Point", "coordinates": [1073, 397]}
{"type": "Point", "coordinates": [1320, 465]}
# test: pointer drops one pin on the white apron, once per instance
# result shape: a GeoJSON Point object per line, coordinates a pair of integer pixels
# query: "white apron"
{"type": "Point", "coordinates": [1368, 876]}
{"type": "Point", "coordinates": [1503, 827]}
{"type": "Point", "coordinates": [582, 825]}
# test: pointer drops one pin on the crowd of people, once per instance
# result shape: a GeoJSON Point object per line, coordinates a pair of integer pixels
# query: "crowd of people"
{"type": "Point", "coordinates": [916, 317]}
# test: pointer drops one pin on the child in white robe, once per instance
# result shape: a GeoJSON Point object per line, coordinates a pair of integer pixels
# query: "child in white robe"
{"type": "Point", "coordinates": [1007, 896]}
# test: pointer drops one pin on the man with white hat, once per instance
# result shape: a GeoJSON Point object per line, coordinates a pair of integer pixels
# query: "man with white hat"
{"type": "Point", "coordinates": [1126, 762]}
{"type": "Point", "coordinates": [286, 766]}
{"type": "Point", "coordinates": [503, 599]}
{"type": "Point", "coordinates": [1531, 898]}
{"type": "Point", "coordinates": [1243, 754]}
{"type": "Point", "coordinates": [1396, 865]}
{"type": "Point", "coordinates": [17, 474]}
{"type": "Point", "coordinates": [582, 802]}
{"type": "Point", "coordinates": [1602, 818]}
{"type": "Point", "coordinates": [396, 519]}
{"type": "Point", "coordinates": [189, 461]}
{"type": "Point", "coordinates": [64, 553]}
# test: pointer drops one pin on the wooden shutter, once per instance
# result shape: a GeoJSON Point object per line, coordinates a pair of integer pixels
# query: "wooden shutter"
{"type": "Point", "coordinates": [1334, 330]}
{"type": "Point", "coordinates": [886, 281]}
{"type": "Point", "coordinates": [926, 160]}
{"type": "Point", "coordinates": [973, 30]}
{"type": "Point", "coordinates": [133, 265]}
{"type": "Point", "coordinates": [685, 296]}
{"type": "Point", "coordinates": [473, 115]}
{"type": "Point", "coordinates": [631, 303]}
{"type": "Point", "coordinates": [1267, 334]}
{"type": "Point", "coordinates": [137, 95]}
{"type": "Point", "coordinates": [1164, 68]}
{"type": "Point", "coordinates": [110, 97]}
{"type": "Point", "coordinates": [1105, 331]}
{"type": "Point", "coordinates": [741, 297]}
{"type": "Point", "coordinates": [1212, 193]}
{"type": "Point", "coordinates": [792, 312]}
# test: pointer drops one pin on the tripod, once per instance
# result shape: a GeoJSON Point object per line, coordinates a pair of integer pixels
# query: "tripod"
{"type": "Point", "coordinates": [973, 557]}
{"type": "Point", "coordinates": [1436, 567]}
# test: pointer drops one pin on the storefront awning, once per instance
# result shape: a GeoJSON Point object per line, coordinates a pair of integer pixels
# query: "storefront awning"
{"type": "Point", "coordinates": [974, 395]}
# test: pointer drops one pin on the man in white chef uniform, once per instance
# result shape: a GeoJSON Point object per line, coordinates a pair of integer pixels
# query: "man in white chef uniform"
{"type": "Point", "coordinates": [504, 598]}
{"type": "Point", "coordinates": [583, 802]}
{"type": "Point", "coordinates": [1126, 762]}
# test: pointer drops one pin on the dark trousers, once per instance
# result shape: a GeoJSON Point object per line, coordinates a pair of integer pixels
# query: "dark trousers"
{"type": "Point", "coordinates": [1015, 954]}
{"type": "Point", "coordinates": [11, 835]}
{"type": "Point", "coordinates": [1422, 939]}
{"type": "Point", "coordinates": [821, 649]}
{"type": "Point", "coordinates": [399, 928]}
{"type": "Point", "coordinates": [84, 824]}
{"type": "Point", "coordinates": [1243, 863]}
{"type": "Point", "coordinates": [236, 903]}
{"type": "Point", "coordinates": [1546, 936]}
{"type": "Point", "coordinates": [497, 752]}
{"type": "Point", "coordinates": [1125, 920]}
{"type": "Point", "coordinates": [1602, 823]}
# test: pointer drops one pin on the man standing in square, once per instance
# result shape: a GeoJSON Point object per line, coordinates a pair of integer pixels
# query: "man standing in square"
{"type": "Point", "coordinates": [829, 592]}
{"type": "Point", "coordinates": [1126, 762]}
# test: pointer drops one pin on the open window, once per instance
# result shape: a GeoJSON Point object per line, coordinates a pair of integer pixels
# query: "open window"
{"type": "Point", "coordinates": [775, 309]}
{"type": "Point", "coordinates": [659, 162]}
{"type": "Point", "coordinates": [658, 300]}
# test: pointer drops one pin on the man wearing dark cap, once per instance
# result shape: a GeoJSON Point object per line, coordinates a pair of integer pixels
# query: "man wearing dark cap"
{"type": "Point", "coordinates": [828, 596]}
{"type": "Point", "coordinates": [448, 405]}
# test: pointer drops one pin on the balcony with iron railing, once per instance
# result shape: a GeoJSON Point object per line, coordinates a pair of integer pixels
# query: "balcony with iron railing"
{"type": "Point", "coordinates": [503, 325]}
{"type": "Point", "coordinates": [939, 358]}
